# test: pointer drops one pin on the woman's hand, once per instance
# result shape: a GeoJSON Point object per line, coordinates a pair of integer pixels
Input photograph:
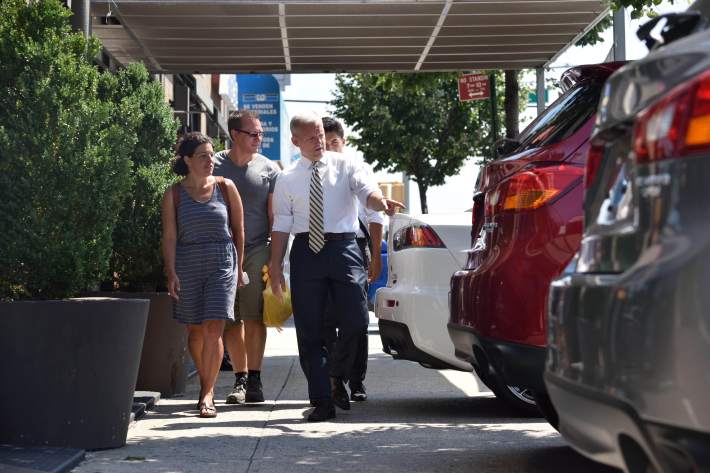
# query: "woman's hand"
{"type": "Point", "coordinates": [173, 286]}
{"type": "Point", "coordinates": [240, 278]}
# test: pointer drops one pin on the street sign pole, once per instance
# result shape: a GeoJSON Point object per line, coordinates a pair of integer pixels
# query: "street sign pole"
{"type": "Point", "coordinates": [494, 115]}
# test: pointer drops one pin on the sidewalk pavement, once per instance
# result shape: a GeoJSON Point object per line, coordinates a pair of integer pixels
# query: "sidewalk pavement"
{"type": "Point", "coordinates": [416, 420]}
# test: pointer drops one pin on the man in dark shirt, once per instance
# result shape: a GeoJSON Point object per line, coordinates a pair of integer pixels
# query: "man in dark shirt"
{"type": "Point", "coordinates": [255, 178]}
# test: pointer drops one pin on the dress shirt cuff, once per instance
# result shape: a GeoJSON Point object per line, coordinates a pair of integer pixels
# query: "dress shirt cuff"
{"type": "Point", "coordinates": [282, 223]}
{"type": "Point", "coordinates": [365, 193]}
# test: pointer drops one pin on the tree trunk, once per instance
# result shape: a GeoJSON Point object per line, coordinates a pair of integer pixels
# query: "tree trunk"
{"type": "Point", "coordinates": [512, 104]}
{"type": "Point", "coordinates": [422, 197]}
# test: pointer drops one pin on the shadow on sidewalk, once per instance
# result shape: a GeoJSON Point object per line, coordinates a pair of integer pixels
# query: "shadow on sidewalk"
{"type": "Point", "coordinates": [416, 420]}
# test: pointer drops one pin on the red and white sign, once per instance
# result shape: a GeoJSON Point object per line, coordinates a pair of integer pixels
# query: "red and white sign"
{"type": "Point", "coordinates": [473, 87]}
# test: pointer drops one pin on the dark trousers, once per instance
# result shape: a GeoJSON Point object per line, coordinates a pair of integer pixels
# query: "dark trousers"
{"type": "Point", "coordinates": [358, 370]}
{"type": "Point", "coordinates": [337, 269]}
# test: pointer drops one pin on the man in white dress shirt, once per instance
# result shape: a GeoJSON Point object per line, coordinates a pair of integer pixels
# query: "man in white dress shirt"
{"type": "Point", "coordinates": [369, 239]}
{"type": "Point", "coordinates": [316, 200]}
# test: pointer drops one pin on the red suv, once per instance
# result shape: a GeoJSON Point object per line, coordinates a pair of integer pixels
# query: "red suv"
{"type": "Point", "coordinates": [527, 225]}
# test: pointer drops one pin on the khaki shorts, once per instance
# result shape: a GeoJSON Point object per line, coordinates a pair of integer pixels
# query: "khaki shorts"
{"type": "Point", "coordinates": [249, 304]}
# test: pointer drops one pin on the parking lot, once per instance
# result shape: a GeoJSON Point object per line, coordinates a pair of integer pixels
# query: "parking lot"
{"type": "Point", "coordinates": [416, 420]}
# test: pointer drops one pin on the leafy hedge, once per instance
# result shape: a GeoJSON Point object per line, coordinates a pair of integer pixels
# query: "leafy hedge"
{"type": "Point", "coordinates": [136, 261]}
{"type": "Point", "coordinates": [74, 142]}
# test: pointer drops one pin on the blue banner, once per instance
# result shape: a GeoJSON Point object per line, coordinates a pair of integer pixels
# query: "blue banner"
{"type": "Point", "coordinates": [261, 93]}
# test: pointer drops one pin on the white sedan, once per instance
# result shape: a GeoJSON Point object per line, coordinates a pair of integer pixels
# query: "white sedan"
{"type": "Point", "coordinates": [413, 309]}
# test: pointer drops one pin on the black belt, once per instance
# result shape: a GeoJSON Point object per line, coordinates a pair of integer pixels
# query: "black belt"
{"type": "Point", "coordinates": [330, 236]}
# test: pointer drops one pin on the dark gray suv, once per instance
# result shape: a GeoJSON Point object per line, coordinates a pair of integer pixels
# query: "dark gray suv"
{"type": "Point", "coordinates": [628, 359]}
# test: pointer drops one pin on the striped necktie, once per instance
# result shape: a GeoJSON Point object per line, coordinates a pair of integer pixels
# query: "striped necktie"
{"type": "Point", "coordinates": [315, 221]}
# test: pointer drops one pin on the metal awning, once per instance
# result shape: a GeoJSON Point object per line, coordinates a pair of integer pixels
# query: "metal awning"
{"type": "Point", "coordinates": [301, 36]}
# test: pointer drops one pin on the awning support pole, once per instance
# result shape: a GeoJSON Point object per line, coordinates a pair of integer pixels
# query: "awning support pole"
{"type": "Point", "coordinates": [80, 20]}
{"type": "Point", "coordinates": [540, 89]}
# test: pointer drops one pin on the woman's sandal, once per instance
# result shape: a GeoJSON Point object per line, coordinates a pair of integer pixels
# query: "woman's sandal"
{"type": "Point", "coordinates": [198, 406]}
{"type": "Point", "coordinates": [208, 411]}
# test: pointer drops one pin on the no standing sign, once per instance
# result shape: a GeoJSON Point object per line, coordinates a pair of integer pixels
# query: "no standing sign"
{"type": "Point", "coordinates": [473, 87]}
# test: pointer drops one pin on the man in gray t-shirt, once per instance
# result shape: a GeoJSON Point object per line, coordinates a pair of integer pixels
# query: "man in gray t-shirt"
{"type": "Point", "coordinates": [255, 177]}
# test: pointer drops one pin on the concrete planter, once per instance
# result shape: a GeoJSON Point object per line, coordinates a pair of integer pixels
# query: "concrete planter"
{"type": "Point", "coordinates": [68, 370]}
{"type": "Point", "coordinates": [162, 366]}
{"type": "Point", "coordinates": [163, 360]}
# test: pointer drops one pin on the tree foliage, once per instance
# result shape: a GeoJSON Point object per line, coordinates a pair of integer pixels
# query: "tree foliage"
{"type": "Point", "coordinates": [136, 261]}
{"type": "Point", "coordinates": [414, 123]}
{"type": "Point", "coordinates": [637, 9]}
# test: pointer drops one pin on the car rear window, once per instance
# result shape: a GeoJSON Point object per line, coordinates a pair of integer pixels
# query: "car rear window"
{"type": "Point", "coordinates": [561, 119]}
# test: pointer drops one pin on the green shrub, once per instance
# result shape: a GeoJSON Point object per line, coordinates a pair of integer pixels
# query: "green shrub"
{"type": "Point", "coordinates": [136, 262]}
{"type": "Point", "coordinates": [64, 155]}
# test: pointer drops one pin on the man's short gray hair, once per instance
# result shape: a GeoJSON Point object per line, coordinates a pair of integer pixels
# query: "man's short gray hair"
{"type": "Point", "coordinates": [304, 118]}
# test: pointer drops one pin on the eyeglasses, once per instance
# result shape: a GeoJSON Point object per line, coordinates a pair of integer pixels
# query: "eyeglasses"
{"type": "Point", "coordinates": [252, 135]}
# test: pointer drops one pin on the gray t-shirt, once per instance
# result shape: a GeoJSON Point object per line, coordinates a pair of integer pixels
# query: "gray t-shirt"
{"type": "Point", "coordinates": [255, 182]}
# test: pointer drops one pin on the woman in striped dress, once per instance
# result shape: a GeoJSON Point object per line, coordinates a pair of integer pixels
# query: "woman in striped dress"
{"type": "Point", "coordinates": [203, 247]}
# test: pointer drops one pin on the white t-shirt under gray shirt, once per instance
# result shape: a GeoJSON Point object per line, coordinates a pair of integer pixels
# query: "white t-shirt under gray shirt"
{"type": "Point", "coordinates": [255, 182]}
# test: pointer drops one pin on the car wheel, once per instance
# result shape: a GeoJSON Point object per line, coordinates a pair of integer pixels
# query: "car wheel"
{"type": "Point", "coordinates": [518, 397]}
{"type": "Point", "coordinates": [547, 409]}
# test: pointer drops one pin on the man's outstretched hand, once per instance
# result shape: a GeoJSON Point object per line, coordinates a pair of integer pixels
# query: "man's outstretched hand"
{"type": "Point", "coordinates": [391, 206]}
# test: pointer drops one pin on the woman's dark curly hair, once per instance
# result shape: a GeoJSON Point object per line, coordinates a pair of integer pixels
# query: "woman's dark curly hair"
{"type": "Point", "coordinates": [186, 146]}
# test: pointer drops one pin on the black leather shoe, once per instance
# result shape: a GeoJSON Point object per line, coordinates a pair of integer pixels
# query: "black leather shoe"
{"type": "Point", "coordinates": [339, 394]}
{"type": "Point", "coordinates": [324, 410]}
{"type": "Point", "coordinates": [357, 392]}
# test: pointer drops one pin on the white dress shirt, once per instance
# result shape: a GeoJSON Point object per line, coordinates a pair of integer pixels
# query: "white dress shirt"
{"type": "Point", "coordinates": [345, 182]}
{"type": "Point", "coordinates": [368, 216]}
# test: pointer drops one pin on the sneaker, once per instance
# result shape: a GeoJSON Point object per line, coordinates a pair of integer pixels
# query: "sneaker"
{"type": "Point", "coordinates": [238, 394]}
{"type": "Point", "coordinates": [357, 392]}
{"type": "Point", "coordinates": [254, 390]}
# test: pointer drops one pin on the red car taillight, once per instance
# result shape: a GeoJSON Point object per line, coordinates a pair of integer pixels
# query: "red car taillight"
{"type": "Point", "coordinates": [531, 189]}
{"type": "Point", "coordinates": [416, 236]}
{"type": "Point", "coordinates": [677, 125]}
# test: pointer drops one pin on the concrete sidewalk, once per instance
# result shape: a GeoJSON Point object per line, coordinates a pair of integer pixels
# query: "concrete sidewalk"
{"type": "Point", "coordinates": [416, 420]}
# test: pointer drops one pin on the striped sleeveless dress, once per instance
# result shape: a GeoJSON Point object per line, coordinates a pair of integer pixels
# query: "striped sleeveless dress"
{"type": "Point", "coordinates": [205, 260]}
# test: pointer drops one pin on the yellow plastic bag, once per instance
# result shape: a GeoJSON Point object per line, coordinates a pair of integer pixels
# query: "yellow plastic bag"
{"type": "Point", "coordinates": [275, 312]}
